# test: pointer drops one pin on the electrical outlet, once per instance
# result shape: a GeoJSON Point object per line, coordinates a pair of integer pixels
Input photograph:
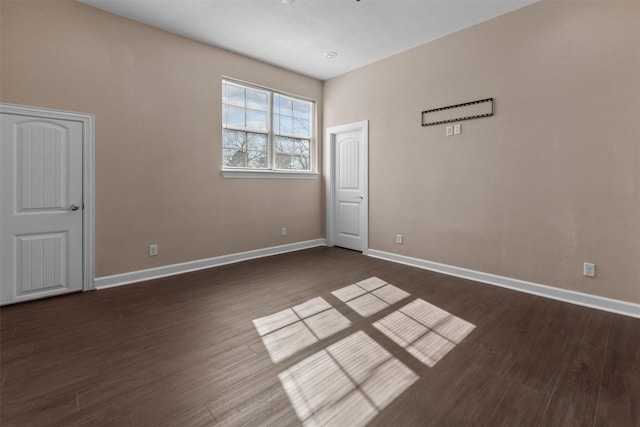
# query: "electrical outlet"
{"type": "Point", "coordinates": [399, 239]}
{"type": "Point", "coordinates": [153, 250]}
{"type": "Point", "coordinates": [589, 269]}
{"type": "Point", "coordinates": [283, 232]}
{"type": "Point", "coordinates": [457, 129]}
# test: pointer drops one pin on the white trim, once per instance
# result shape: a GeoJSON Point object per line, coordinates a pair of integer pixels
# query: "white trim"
{"type": "Point", "coordinates": [185, 267]}
{"type": "Point", "coordinates": [329, 175]}
{"type": "Point", "coordinates": [266, 174]}
{"type": "Point", "coordinates": [565, 295]}
{"type": "Point", "coordinates": [88, 178]}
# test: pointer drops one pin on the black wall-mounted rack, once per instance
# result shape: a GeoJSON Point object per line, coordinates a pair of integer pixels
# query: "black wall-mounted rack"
{"type": "Point", "coordinates": [439, 115]}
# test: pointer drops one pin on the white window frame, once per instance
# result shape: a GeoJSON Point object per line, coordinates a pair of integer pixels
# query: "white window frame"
{"type": "Point", "coordinates": [272, 172]}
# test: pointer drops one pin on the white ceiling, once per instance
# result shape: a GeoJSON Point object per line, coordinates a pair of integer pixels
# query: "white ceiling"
{"type": "Point", "coordinates": [296, 36]}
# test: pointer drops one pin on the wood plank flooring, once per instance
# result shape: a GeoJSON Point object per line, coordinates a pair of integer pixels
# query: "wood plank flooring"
{"type": "Point", "coordinates": [183, 351]}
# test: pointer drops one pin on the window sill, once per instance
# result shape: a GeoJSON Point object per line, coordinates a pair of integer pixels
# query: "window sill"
{"type": "Point", "coordinates": [267, 174]}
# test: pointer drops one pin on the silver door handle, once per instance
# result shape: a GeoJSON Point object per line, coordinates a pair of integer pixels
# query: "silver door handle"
{"type": "Point", "coordinates": [360, 197]}
{"type": "Point", "coordinates": [73, 208]}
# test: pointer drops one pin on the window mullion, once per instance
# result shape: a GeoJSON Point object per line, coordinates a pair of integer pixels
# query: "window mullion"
{"type": "Point", "coordinates": [272, 131]}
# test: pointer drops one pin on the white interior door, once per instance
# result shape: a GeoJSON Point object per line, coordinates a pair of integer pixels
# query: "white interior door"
{"type": "Point", "coordinates": [41, 205]}
{"type": "Point", "coordinates": [348, 145]}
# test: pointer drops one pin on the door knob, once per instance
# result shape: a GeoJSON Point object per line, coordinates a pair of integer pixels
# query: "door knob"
{"type": "Point", "coordinates": [73, 208]}
{"type": "Point", "coordinates": [360, 197]}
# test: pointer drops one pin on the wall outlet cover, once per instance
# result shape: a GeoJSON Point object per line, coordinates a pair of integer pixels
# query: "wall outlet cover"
{"type": "Point", "coordinates": [589, 269]}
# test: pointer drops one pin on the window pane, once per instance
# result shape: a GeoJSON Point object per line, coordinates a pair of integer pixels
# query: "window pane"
{"type": "Point", "coordinates": [301, 109]}
{"type": "Point", "coordinates": [256, 100]}
{"type": "Point", "coordinates": [285, 125]}
{"type": "Point", "coordinates": [244, 158]}
{"type": "Point", "coordinates": [233, 95]}
{"type": "Point", "coordinates": [257, 159]}
{"type": "Point", "coordinates": [292, 162]}
{"type": "Point", "coordinates": [233, 116]}
{"type": "Point", "coordinates": [301, 127]}
{"type": "Point", "coordinates": [234, 158]}
{"type": "Point", "coordinates": [245, 149]}
{"type": "Point", "coordinates": [257, 141]}
{"type": "Point", "coordinates": [284, 144]}
{"type": "Point", "coordinates": [292, 153]}
{"type": "Point", "coordinates": [234, 139]}
{"type": "Point", "coordinates": [284, 105]}
{"type": "Point", "coordinates": [256, 120]}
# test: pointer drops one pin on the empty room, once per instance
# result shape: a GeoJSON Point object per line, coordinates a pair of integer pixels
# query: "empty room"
{"type": "Point", "coordinates": [319, 212]}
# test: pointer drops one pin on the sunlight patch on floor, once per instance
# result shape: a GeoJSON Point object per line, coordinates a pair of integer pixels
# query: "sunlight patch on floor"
{"type": "Point", "coordinates": [288, 331]}
{"type": "Point", "coordinates": [370, 296]}
{"type": "Point", "coordinates": [424, 330]}
{"type": "Point", "coordinates": [348, 383]}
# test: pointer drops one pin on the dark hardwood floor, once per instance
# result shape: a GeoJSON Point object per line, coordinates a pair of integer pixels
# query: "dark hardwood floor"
{"type": "Point", "coordinates": [184, 351]}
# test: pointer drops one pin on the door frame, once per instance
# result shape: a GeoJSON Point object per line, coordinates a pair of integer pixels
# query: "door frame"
{"type": "Point", "coordinates": [88, 177]}
{"type": "Point", "coordinates": [330, 179]}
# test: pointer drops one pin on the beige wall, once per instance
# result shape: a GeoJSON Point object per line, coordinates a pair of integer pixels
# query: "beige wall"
{"type": "Point", "coordinates": [156, 99]}
{"type": "Point", "coordinates": [549, 182]}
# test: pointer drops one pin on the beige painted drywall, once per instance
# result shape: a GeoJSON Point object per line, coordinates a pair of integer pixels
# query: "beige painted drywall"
{"type": "Point", "coordinates": [156, 100]}
{"type": "Point", "coordinates": [548, 183]}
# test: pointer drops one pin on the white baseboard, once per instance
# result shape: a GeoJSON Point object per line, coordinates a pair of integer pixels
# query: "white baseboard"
{"type": "Point", "coordinates": [185, 267]}
{"type": "Point", "coordinates": [565, 295]}
{"type": "Point", "coordinates": [573, 297]}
